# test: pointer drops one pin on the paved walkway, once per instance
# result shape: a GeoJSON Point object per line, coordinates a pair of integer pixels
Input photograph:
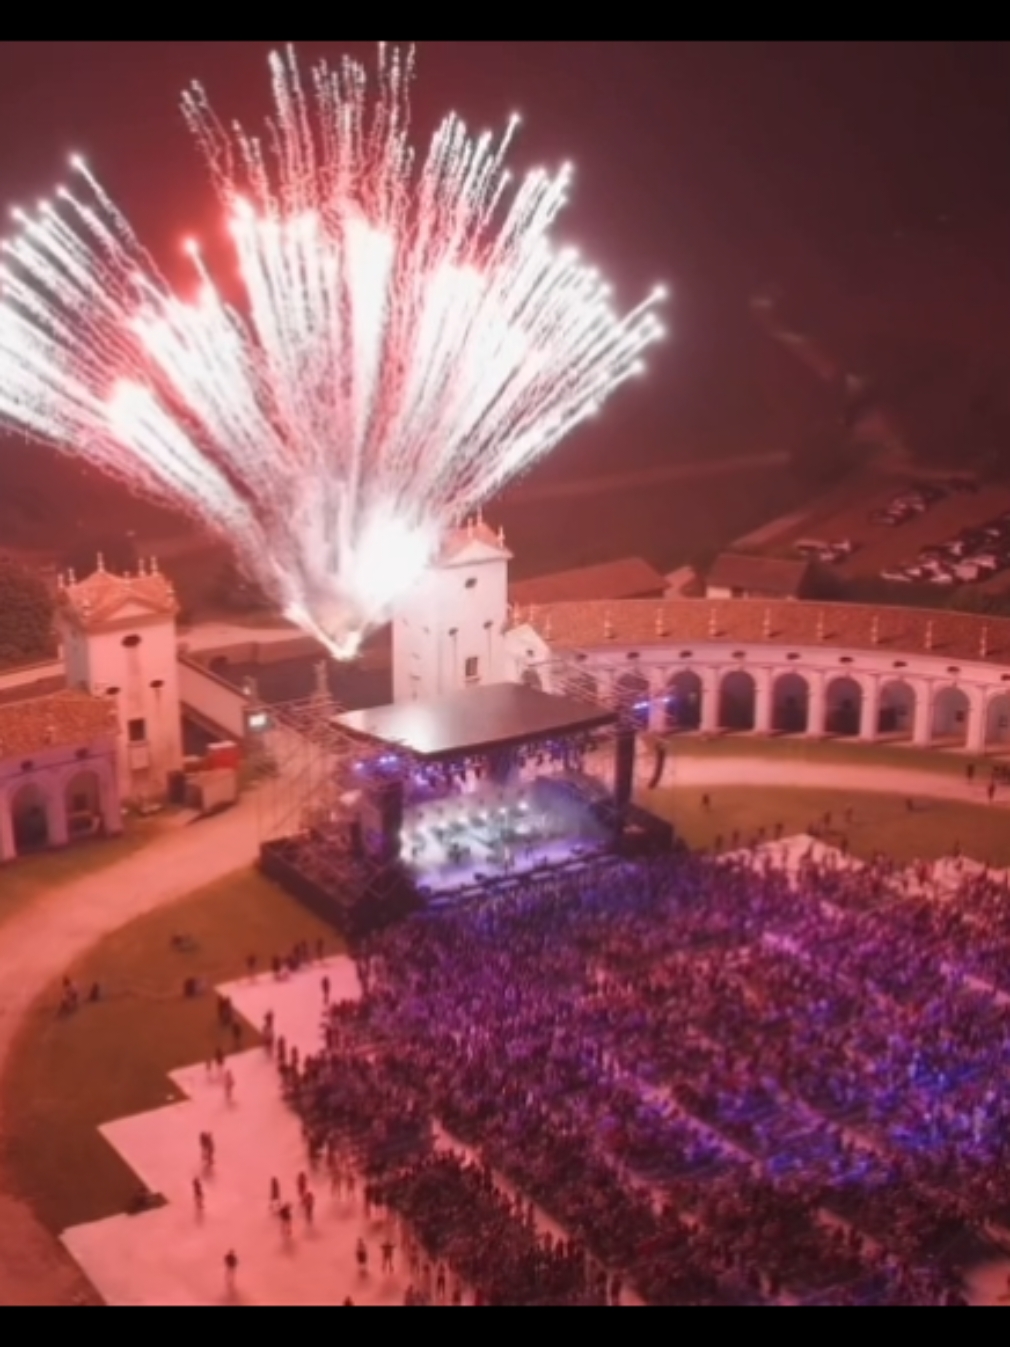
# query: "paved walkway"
{"type": "Point", "coordinates": [39, 944]}
{"type": "Point", "coordinates": [175, 1256]}
{"type": "Point", "coordinates": [743, 771]}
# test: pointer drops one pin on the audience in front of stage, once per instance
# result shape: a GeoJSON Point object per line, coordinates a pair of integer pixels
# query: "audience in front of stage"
{"type": "Point", "coordinates": [710, 1080]}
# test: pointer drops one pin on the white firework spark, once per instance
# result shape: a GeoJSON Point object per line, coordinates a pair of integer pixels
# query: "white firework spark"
{"type": "Point", "coordinates": [409, 340]}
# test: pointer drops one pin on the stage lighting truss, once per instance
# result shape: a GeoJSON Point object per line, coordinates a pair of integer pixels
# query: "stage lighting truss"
{"type": "Point", "coordinates": [312, 793]}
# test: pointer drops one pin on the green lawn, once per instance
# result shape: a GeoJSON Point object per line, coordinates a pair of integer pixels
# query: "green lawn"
{"type": "Point", "coordinates": [880, 822]}
{"type": "Point", "coordinates": [23, 881]}
{"type": "Point", "coordinates": [67, 1077]}
{"type": "Point", "coordinates": [841, 751]}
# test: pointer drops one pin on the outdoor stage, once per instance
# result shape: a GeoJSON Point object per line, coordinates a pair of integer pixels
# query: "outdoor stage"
{"type": "Point", "coordinates": [449, 799]}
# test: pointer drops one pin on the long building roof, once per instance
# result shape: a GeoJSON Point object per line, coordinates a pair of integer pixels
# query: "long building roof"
{"type": "Point", "coordinates": [64, 720]}
{"type": "Point", "coordinates": [645, 623]}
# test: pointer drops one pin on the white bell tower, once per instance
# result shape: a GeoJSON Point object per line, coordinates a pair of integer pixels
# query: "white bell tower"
{"type": "Point", "coordinates": [449, 631]}
{"type": "Point", "coordinates": [118, 635]}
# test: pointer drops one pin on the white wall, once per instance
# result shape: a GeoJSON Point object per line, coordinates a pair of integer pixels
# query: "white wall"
{"type": "Point", "coordinates": [457, 613]}
{"type": "Point", "coordinates": [214, 699]}
{"type": "Point", "coordinates": [525, 649]}
{"type": "Point", "coordinates": [52, 773]}
{"type": "Point", "coordinates": [125, 662]}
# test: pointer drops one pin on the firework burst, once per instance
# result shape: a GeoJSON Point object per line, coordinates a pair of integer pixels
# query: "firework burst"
{"type": "Point", "coordinates": [409, 340]}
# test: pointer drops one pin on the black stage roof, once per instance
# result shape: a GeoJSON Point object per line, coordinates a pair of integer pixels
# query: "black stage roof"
{"type": "Point", "coordinates": [478, 720]}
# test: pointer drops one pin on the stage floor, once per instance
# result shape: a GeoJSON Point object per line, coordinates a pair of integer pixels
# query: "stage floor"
{"type": "Point", "coordinates": [445, 879]}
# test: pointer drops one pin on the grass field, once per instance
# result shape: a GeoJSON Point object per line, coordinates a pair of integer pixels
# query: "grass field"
{"type": "Point", "coordinates": [22, 882]}
{"type": "Point", "coordinates": [67, 1077]}
{"type": "Point", "coordinates": [841, 752]}
{"type": "Point", "coordinates": [881, 823]}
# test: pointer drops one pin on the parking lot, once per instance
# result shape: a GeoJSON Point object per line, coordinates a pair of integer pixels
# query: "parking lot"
{"type": "Point", "coordinates": [941, 533]}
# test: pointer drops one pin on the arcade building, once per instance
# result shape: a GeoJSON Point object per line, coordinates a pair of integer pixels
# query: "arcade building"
{"type": "Point", "coordinates": [111, 728]}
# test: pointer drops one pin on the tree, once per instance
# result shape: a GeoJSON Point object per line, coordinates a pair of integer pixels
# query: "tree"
{"type": "Point", "coordinates": [26, 615]}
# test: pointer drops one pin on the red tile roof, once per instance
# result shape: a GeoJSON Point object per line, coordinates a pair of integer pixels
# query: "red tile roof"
{"type": "Point", "coordinates": [102, 595]}
{"type": "Point", "coordinates": [67, 719]}
{"type": "Point", "coordinates": [457, 540]}
{"type": "Point", "coordinates": [683, 622]}
{"type": "Point", "coordinates": [775, 577]}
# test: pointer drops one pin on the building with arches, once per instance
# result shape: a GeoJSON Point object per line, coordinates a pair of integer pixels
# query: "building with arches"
{"type": "Point", "coordinates": [59, 777]}
{"type": "Point", "coordinates": [930, 679]}
{"type": "Point", "coordinates": [69, 759]}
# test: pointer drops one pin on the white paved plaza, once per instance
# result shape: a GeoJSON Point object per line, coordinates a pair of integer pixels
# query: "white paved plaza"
{"type": "Point", "coordinates": [174, 1256]}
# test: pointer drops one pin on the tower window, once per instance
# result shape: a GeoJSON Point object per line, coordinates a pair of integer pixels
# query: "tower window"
{"type": "Point", "coordinates": [473, 671]}
{"type": "Point", "coordinates": [471, 584]}
{"type": "Point", "coordinates": [137, 731]}
{"type": "Point", "coordinates": [131, 642]}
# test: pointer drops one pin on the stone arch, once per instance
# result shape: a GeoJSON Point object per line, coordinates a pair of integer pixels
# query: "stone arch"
{"type": "Point", "coordinates": [997, 721]}
{"type": "Point", "coordinates": [843, 707]}
{"type": "Point", "coordinates": [737, 701]}
{"type": "Point", "coordinates": [791, 704]}
{"type": "Point", "coordinates": [898, 702]}
{"type": "Point", "coordinates": [632, 698]}
{"type": "Point", "coordinates": [951, 715]}
{"type": "Point", "coordinates": [685, 694]}
{"type": "Point", "coordinates": [30, 818]}
{"type": "Point", "coordinates": [83, 801]}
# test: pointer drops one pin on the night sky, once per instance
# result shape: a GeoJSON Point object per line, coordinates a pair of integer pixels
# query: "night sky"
{"type": "Point", "coordinates": [714, 166]}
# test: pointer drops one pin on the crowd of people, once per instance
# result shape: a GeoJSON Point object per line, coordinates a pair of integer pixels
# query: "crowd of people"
{"type": "Point", "coordinates": [724, 1081]}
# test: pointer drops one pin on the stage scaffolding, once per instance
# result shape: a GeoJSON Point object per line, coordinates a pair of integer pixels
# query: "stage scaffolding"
{"type": "Point", "coordinates": [570, 677]}
{"type": "Point", "coordinates": [310, 796]}
{"type": "Point", "coordinates": [321, 781]}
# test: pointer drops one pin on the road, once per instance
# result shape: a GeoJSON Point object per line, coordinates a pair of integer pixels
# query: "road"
{"type": "Point", "coordinates": [629, 481]}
